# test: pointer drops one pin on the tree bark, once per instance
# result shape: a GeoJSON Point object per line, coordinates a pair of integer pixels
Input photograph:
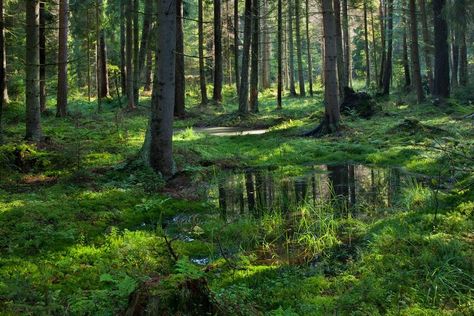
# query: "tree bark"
{"type": "Point", "coordinates": [62, 96]}
{"type": "Point", "coordinates": [202, 72]}
{"type": "Point", "coordinates": [123, 54]}
{"type": "Point", "coordinates": [144, 42]}
{"type": "Point", "coordinates": [179, 99]}
{"type": "Point", "coordinates": [347, 44]}
{"type": "Point", "coordinates": [104, 87]}
{"type": "Point", "coordinates": [455, 62]}
{"type": "Point", "coordinates": [387, 74]}
{"type": "Point", "coordinates": [253, 104]}
{"type": "Point", "coordinates": [136, 51]}
{"type": "Point", "coordinates": [366, 48]}
{"type": "Point", "coordinates": [236, 45]}
{"type": "Point", "coordinates": [374, 44]}
{"type": "Point", "coordinates": [299, 48]}
{"type": "Point", "coordinates": [33, 121]}
{"type": "Point", "coordinates": [291, 49]}
{"type": "Point", "coordinates": [310, 59]}
{"type": "Point", "coordinates": [2, 65]}
{"type": "Point", "coordinates": [129, 55]}
{"type": "Point", "coordinates": [463, 72]}
{"type": "Point", "coordinates": [427, 44]}
{"type": "Point", "coordinates": [382, 18]}
{"type": "Point", "coordinates": [406, 62]}
{"type": "Point", "coordinates": [330, 122]}
{"type": "Point", "coordinates": [266, 51]}
{"type": "Point", "coordinates": [340, 53]}
{"type": "Point", "coordinates": [218, 75]}
{"type": "Point", "coordinates": [244, 78]}
{"type": "Point", "coordinates": [161, 123]}
{"type": "Point", "coordinates": [148, 70]}
{"type": "Point", "coordinates": [441, 77]}
{"type": "Point", "coordinates": [42, 48]}
{"type": "Point", "coordinates": [415, 54]}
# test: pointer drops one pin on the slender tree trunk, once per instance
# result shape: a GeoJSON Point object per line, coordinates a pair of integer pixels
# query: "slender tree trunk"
{"type": "Point", "coordinates": [236, 46]}
{"type": "Point", "coordinates": [291, 49]}
{"type": "Point", "coordinates": [129, 55]}
{"type": "Point", "coordinates": [244, 78]}
{"type": "Point", "coordinates": [61, 107]}
{"type": "Point", "coordinates": [144, 46]}
{"type": "Point", "coordinates": [310, 59]}
{"type": "Point", "coordinates": [136, 51]}
{"type": "Point", "coordinates": [340, 53]}
{"type": "Point", "coordinates": [455, 62]}
{"type": "Point", "coordinates": [123, 54]}
{"type": "Point", "coordinates": [347, 44]}
{"type": "Point", "coordinates": [253, 104]}
{"type": "Point", "coordinates": [374, 45]}
{"type": "Point", "coordinates": [148, 70]}
{"type": "Point", "coordinates": [463, 72]}
{"type": "Point", "coordinates": [388, 62]}
{"type": "Point", "coordinates": [4, 91]}
{"type": "Point", "coordinates": [161, 124]}
{"type": "Point", "coordinates": [331, 90]}
{"type": "Point", "coordinates": [383, 49]}
{"type": "Point", "coordinates": [406, 62]}
{"type": "Point", "coordinates": [427, 44]}
{"type": "Point", "coordinates": [179, 98]}
{"type": "Point", "coordinates": [104, 89]}
{"type": "Point", "coordinates": [441, 78]}
{"type": "Point", "coordinates": [33, 120]}
{"type": "Point", "coordinates": [202, 73]}
{"type": "Point", "coordinates": [98, 6]}
{"type": "Point", "coordinates": [279, 54]}
{"type": "Point", "coordinates": [218, 75]}
{"type": "Point", "coordinates": [265, 81]}
{"type": "Point", "coordinates": [299, 48]}
{"type": "Point", "coordinates": [415, 54]}
{"type": "Point", "coordinates": [88, 44]}
{"type": "Point", "coordinates": [366, 48]}
{"type": "Point", "coordinates": [42, 47]}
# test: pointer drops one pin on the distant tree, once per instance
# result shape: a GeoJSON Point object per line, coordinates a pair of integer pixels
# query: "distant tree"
{"type": "Point", "coordinates": [340, 51]}
{"type": "Point", "coordinates": [299, 48]}
{"type": "Point", "coordinates": [33, 117]}
{"type": "Point", "coordinates": [415, 54]}
{"type": "Point", "coordinates": [347, 43]}
{"type": "Point", "coordinates": [179, 107]}
{"type": "Point", "coordinates": [266, 46]}
{"type": "Point", "coordinates": [291, 52]}
{"type": "Point", "coordinates": [366, 47]}
{"type": "Point", "coordinates": [253, 102]}
{"type": "Point", "coordinates": [244, 77]}
{"type": "Point", "coordinates": [129, 54]}
{"type": "Point", "coordinates": [145, 39]}
{"type": "Point", "coordinates": [236, 45]}
{"type": "Point", "coordinates": [427, 44]}
{"type": "Point", "coordinates": [308, 47]}
{"type": "Point", "coordinates": [218, 72]}
{"type": "Point", "coordinates": [406, 62]}
{"type": "Point", "coordinates": [280, 54]}
{"type": "Point", "coordinates": [136, 51]}
{"type": "Point", "coordinates": [202, 72]}
{"type": "Point", "coordinates": [2, 67]}
{"type": "Point", "coordinates": [441, 77]}
{"type": "Point", "coordinates": [42, 48]}
{"type": "Point", "coordinates": [62, 93]}
{"type": "Point", "coordinates": [387, 69]}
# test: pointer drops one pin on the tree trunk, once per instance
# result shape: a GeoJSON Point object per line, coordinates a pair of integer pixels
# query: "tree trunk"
{"type": "Point", "coordinates": [161, 123]}
{"type": "Point", "coordinates": [347, 44]}
{"type": "Point", "coordinates": [104, 89]}
{"type": "Point", "coordinates": [441, 78]}
{"type": "Point", "coordinates": [340, 53]}
{"type": "Point", "coordinates": [387, 75]}
{"type": "Point", "coordinates": [2, 65]}
{"type": "Point", "coordinates": [236, 45]}
{"type": "Point", "coordinates": [366, 48]}
{"type": "Point", "coordinates": [455, 62]}
{"type": "Point", "coordinates": [330, 122]}
{"type": "Point", "coordinates": [148, 70]}
{"type": "Point", "coordinates": [33, 123]}
{"type": "Point", "coordinates": [129, 56]}
{"type": "Point", "coordinates": [42, 48]}
{"type": "Point", "coordinates": [136, 51]}
{"type": "Point", "coordinates": [291, 49]}
{"type": "Point", "coordinates": [244, 78]}
{"type": "Point", "coordinates": [415, 54]}
{"type": "Point", "coordinates": [374, 45]}
{"type": "Point", "coordinates": [144, 46]}
{"type": "Point", "coordinates": [123, 54]}
{"type": "Point", "coordinates": [308, 43]}
{"type": "Point", "coordinates": [253, 104]}
{"type": "Point", "coordinates": [406, 62]}
{"type": "Point", "coordinates": [280, 54]}
{"type": "Point", "coordinates": [299, 47]}
{"type": "Point", "coordinates": [427, 45]}
{"type": "Point", "coordinates": [383, 49]}
{"type": "Point", "coordinates": [218, 75]}
{"type": "Point", "coordinates": [202, 72]}
{"type": "Point", "coordinates": [61, 107]}
{"type": "Point", "coordinates": [179, 98]}
{"type": "Point", "coordinates": [265, 80]}
{"type": "Point", "coordinates": [463, 72]}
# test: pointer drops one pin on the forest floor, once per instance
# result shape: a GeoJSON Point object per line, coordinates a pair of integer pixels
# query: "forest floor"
{"type": "Point", "coordinates": [85, 228]}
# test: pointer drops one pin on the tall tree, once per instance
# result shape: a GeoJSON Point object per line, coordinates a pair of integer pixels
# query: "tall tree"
{"type": "Point", "coordinates": [308, 44]}
{"type": "Point", "coordinates": [236, 44]}
{"type": "Point", "coordinates": [145, 39]}
{"type": "Point", "coordinates": [61, 107]}
{"type": "Point", "coordinates": [123, 53]}
{"type": "Point", "coordinates": [158, 148]}
{"type": "Point", "coordinates": [383, 48]}
{"type": "Point", "coordinates": [2, 67]}
{"type": "Point", "coordinates": [266, 46]}
{"type": "Point", "coordinates": [441, 78]}
{"type": "Point", "coordinates": [291, 52]}
{"type": "Point", "coordinates": [366, 47]}
{"type": "Point", "coordinates": [253, 103]}
{"type": "Point", "coordinates": [387, 74]}
{"type": "Point", "coordinates": [202, 72]}
{"type": "Point", "coordinates": [406, 63]}
{"type": "Point", "coordinates": [340, 52]}
{"type": "Point", "coordinates": [42, 48]}
{"type": "Point", "coordinates": [415, 56]}
{"type": "Point", "coordinates": [299, 47]}
{"type": "Point", "coordinates": [427, 44]}
{"type": "Point", "coordinates": [331, 118]}
{"type": "Point", "coordinates": [280, 54]}
{"type": "Point", "coordinates": [244, 77]}
{"type": "Point", "coordinates": [129, 55]}
{"type": "Point", "coordinates": [179, 99]}
{"type": "Point", "coordinates": [218, 72]}
{"type": "Point", "coordinates": [347, 43]}
{"type": "Point", "coordinates": [136, 51]}
{"type": "Point", "coordinates": [103, 73]}
{"type": "Point", "coordinates": [33, 123]}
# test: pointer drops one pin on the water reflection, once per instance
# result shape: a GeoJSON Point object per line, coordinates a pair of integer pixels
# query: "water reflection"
{"type": "Point", "coordinates": [358, 189]}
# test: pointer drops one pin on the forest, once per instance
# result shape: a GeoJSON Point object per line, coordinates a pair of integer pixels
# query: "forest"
{"type": "Point", "coordinates": [236, 157]}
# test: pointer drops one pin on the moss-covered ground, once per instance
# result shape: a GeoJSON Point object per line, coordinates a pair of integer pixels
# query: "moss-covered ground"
{"type": "Point", "coordinates": [81, 223]}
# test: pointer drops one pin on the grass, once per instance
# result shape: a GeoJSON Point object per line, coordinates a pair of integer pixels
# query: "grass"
{"type": "Point", "coordinates": [82, 226]}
